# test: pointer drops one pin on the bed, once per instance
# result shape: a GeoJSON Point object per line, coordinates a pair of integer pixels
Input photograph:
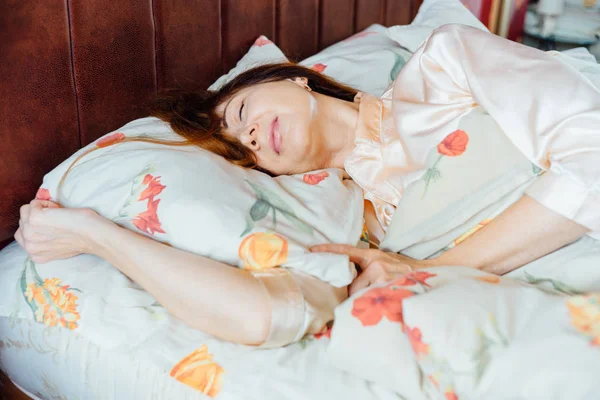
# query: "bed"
{"type": "Point", "coordinates": [78, 328]}
{"type": "Point", "coordinates": [79, 70]}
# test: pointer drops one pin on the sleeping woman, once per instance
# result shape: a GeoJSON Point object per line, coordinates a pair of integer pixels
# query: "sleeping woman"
{"type": "Point", "coordinates": [286, 119]}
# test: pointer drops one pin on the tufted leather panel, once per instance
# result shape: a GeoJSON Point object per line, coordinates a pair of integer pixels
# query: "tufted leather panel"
{"type": "Point", "coordinates": [336, 21]}
{"type": "Point", "coordinates": [243, 22]}
{"type": "Point", "coordinates": [369, 12]}
{"type": "Point", "coordinates": [73, 70]}
{"type": "Point", "coordinates": [38, 109]}
{"type": "Point", "coordinates": [187, 31]}
{"type": "Point", "coordinates": [114, 62]}
{"type": "Point", "coordinates": [298, 44]}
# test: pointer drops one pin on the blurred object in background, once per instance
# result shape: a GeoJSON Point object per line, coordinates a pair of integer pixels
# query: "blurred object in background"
{"type": "Point", "coordinates": [502, 17]}
{"type": "Point", "coordinates": [563, 24]}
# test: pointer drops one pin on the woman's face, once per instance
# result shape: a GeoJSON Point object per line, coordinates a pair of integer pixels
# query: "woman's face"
{"type": "Point", "coordinates": [277, 121]}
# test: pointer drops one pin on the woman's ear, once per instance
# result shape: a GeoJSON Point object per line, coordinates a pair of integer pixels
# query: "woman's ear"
{"type": "Point", "coordinates": [302, 82]}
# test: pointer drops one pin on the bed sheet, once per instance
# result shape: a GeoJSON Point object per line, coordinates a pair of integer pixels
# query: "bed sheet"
{"type": "Point", "coordinates": [78, 328]}
{"type": "Point", "coordinates": [459, 333]}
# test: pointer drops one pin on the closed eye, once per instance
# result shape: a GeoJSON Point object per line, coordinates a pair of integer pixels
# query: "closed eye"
{"type": "Point", "coordinates": [241, 108]}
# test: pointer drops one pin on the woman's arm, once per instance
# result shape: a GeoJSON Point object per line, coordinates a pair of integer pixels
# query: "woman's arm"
{"type": "Point", "coordinates": [523, 233]}
{"type": "Point", "coordinates": [210, 296]}
{"type": "Point", "coordinates": [215, 298]}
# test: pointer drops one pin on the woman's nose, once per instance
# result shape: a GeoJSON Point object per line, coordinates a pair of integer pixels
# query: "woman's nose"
{"type": "Point", "coordinates": [249, 137]}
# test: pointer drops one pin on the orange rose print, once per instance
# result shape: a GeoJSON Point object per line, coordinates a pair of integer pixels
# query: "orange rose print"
{"type": "Point", "coordinates": [434, 378]}
{"type": "Point", "coordinates": [52, 303]}
{"type": "Point", "coordinates": [414, 336]}
{"type": "Point", "coordinates": [199, 371]}
{"type": "Point", "coordinates": [326, 333]}
{"type": "Point", "coordinates": [450, 395]}
{"type": "Point", "coordinates": [377, 303]}
{"type": "Point", "coordinates": [263, 250]}
{"type": "Point", "coordinates": [43, 194]}
{"type": "Point", "coordinates": [454, 144]}
{"type": "Point", "coordinates": [359, 35]}
{"type": "Point", "coordinates": [262, 41]}
{"type": "Point", "coordinates": [471, 231]}
{"type": "Point", "coordinates": [364, 236]}
{"type": "Point", "coordinates": [315, 179]}
{"type": "Point", "coordinates": [154, 187]}
{"type": "Point", "coordinates": [319, 67]}
{"type": "Point", "coordinates": [585, 315]}
{"type": "Point", "coordinates": [148, 221]}
{"type": "Point", "coordinates": [413, 278]}
{"type": "Point", "coordinates": [493, 279]}
{"type": "Point", "coordinates": [110, 140]}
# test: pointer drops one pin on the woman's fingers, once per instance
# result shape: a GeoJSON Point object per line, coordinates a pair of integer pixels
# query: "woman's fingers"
{"type": "Point", "coordinates": [362, 281]}
{"type": "Point", "coordinates": [19, 238]}
{"type": "Point", "coordinates": [361, 257]}
{"type": "Point", "coordinates": [44, 204]}
{"type": "Point", "coordinates": [24, 213]}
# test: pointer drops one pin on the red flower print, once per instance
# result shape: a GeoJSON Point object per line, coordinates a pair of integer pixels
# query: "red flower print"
{"type": "Point", "coordinates": [450, 395]}
{"type": "Point", "coordinates": [326, 334]}
{"type": "Point", "coordinates": [413, 278]}
{"type": "Point", "coordinates": [433, 379]}
{"type": "Point", "coordinates": [154, 187]}
{"type": "Point", "coordinates": [315, 179]}
{"type": "Point", "coordinates": [110, 140]}
{"type": "Point", "coordinates": [454, 144]}
{"type": "Point", "coordinates": [148, 220]}
{"type": "Point", "coordinates": [319, 67]}
{"type": "Point", "coordinates": [378, 303]}
{"type": "Point", "coordinates": [414, 336]}
{"type": "Point", "coordinates": [261, 41]}
{"type": "Point", "coordinates": [359, 35]}
{"type": "Point", "coordinates": [43, 194]}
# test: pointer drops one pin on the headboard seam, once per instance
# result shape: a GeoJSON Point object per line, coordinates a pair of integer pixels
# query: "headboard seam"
{"type": "Point", "coordinates": [72, 55]}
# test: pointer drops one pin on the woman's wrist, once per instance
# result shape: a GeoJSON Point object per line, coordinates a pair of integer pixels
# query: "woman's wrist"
{"type": "Point", "coordinates": [98, 234]}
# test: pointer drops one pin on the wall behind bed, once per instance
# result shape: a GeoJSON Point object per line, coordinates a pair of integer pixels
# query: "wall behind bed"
{"type": "Point", "coordinates": [73, 70]}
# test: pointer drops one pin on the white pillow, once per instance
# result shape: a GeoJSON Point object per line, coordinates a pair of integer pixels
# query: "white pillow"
{"type": "Point", "coordinates": [369, 339]}
{"type": "Point", "coordinates": [197, 201]}
{"type": "Point", "coordinates": [457, 332]}
{"type": "Point", "coordinates": [367, 61]}
{"type": "Point", "coordinates": [432, 14]}
{"type": "Point", "coordinates": [263, 51]}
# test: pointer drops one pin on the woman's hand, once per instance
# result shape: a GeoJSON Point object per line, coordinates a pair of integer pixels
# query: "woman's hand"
{"type": "Point", "coordinates": [377, 266]}
{"type": "Point", "coordinates": [48, 232]}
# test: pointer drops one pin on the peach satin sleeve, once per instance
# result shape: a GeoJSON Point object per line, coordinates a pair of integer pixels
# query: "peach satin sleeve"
{"type": "Point", "coordinates": [300, 304]}
{"type": "Point", "coordinates": [548, 109]}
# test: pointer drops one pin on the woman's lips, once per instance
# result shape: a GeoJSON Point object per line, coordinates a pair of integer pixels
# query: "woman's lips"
{"type": "Point", "coordinates": [275, 136]}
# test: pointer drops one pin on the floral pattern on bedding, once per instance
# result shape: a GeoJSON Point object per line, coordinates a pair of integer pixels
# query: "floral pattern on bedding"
{"type": "Point", "coordinates": [453, 145]}
{"type": "Point", "coordinates": [585, 316]}
{"type": "Point", "coordinates": [52, 302]}
{"type": "Point", "coordinates": [145, 187]}
{"type": "Point", "coordinates": [263, 250]}
{"type": "Point", "coordinates": [268, 201]}
{"type": "Point", "coordinates": [198, 370]}
{"type": "Point", "coordinates": [43, 194]}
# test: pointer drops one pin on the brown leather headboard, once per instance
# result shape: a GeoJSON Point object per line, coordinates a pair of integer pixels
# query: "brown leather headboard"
{"type": "Point", "coordinates": [73, 70]}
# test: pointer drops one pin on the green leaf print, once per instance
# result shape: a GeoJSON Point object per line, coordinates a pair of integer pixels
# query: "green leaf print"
{"type": "Point", "coordinates": [432, 175]}
{"type": "Point", "coordinates": [398, 64]}
{"type": "Point", "coordinates": [259, 210]}
{"type": "Point", "coordinates": [267, 200]}
{"type": "Point", "coordinates": [271, 198]}
{"type": "Point", "coordinates": [557, 285]}
{"type": "Point", "coordinates": [24, 285]}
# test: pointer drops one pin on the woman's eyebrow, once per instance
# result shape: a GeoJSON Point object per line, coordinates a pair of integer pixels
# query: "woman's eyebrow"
{"type": "Point", "coordinates": [225, 114]}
